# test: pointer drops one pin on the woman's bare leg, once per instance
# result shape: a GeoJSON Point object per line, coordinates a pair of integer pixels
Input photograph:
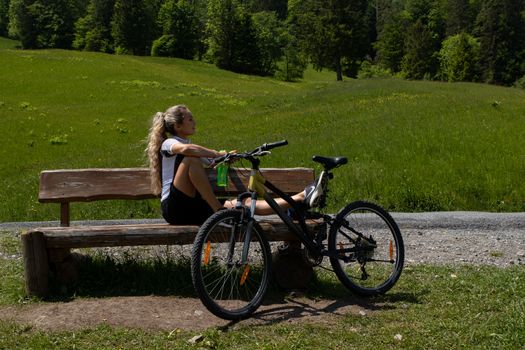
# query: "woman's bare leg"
{"type": "Point", "coordinates": [191, 177]}
{"type": "Point", "coordinates": [262, 208]}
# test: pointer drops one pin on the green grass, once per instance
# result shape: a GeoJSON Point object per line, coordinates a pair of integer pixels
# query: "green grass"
{"type": "Point", "coordinates": [431, 307]}
{"type": "Point", "coordinates": [12, 273]}
{"type": "Point", "coordinates": [412, 146]}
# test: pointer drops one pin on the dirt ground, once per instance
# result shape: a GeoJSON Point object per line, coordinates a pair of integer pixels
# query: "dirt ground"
{"type": "Point", "coordinates": [170, 313]}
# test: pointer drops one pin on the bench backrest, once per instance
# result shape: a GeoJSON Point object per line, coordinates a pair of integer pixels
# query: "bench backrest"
{"type": "Point", "coordinates": [84, 185]}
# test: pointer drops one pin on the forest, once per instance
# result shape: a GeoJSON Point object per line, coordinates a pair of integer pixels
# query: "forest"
{"type": "Point", "coordinates": [447, 40]}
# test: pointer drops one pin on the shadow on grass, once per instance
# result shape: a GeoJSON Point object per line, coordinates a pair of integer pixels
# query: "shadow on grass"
{"type": "Point", "coordinates": [282, 310]}
{"type": "Point", "coordinates": [325, 284]}
{"type": "Point", "coordinates": [337, 300]}
{"type": "Point", "coordinates": [104, 277]}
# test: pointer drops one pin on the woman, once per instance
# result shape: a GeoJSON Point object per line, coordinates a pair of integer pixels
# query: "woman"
{"type": "Point", "coordinates": [178, 175]}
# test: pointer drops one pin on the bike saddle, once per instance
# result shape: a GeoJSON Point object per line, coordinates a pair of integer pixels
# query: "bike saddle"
{"type": "Point", "coordinates": [330, 162]}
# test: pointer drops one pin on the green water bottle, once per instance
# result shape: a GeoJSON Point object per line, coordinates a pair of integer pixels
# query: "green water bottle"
{"type": "Point", "coordinates": [222, 174]}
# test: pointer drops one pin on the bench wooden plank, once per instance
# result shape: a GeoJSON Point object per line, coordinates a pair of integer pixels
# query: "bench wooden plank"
{"type": "Point", "coordinates": [142, 234]}
{"type": "Point", "coordinates": [80, 185]}
{"type": "Point", "coordinates": [83, 185]}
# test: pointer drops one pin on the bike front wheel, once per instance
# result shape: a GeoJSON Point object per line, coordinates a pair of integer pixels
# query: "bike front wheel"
{"type": "Point", "coordinates": [366, 248]}
{"type": "Point", "coordinates": [230, 286]}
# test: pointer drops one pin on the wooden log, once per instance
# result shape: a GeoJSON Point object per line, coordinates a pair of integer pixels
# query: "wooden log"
{"type": "Point", "coordinates": [290, 270]}
{"type": "Point", "coordinates": [35, 263]}
{"type": "Point", "coordinates": [142, 234]}
{"type": "Point", "coordinates": [119, 235]}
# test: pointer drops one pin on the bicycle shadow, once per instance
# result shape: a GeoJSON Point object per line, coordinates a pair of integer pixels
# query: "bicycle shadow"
{"type": "Point", "coordinates": [300, 309]}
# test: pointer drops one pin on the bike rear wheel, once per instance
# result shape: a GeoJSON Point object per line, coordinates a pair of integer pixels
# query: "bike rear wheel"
{"type": "Point", "coordinates": [366, 248]}
{"type": "Point", "coordinates": [227, 286]}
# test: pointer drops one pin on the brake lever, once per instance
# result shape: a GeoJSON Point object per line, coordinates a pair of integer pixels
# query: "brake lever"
{"type": "Point", "coordinates": [219, 160]}
{"type": "Point", "coordinates": [261, 153]}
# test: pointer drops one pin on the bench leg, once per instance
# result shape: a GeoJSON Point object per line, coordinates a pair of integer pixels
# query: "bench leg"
{"type": "Point", "coordinates": [35, 263]}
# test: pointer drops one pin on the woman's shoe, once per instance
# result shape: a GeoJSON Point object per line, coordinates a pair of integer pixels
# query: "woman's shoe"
{"type": "Point", "coordinates": [316, 190]}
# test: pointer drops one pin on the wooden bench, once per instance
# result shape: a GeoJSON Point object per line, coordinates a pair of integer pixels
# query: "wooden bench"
{"type": "Point", "coordinates": [45, 249]}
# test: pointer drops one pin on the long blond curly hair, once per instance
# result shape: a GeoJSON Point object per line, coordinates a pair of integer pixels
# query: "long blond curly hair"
{"type": "Point", "coordinates": [162, 124]}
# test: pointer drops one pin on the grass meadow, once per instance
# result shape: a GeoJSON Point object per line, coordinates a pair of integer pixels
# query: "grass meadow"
{"type": "Point", "coordinates": [412, 145]}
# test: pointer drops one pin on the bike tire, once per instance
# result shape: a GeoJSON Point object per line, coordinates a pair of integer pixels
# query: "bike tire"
{"type": "Point", "coordinates": [376, 265]}
{"type": "Point", "coordinates": [227, 288]}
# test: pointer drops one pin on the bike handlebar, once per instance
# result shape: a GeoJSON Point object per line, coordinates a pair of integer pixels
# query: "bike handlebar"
{"type": "Point", "coordinates": [269, 146]}
{"type": "Point", "coordinates": [259, 151]}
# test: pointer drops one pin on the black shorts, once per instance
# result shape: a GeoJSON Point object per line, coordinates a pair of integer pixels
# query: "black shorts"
{"type": "Point", "coordinates": [181, 209]}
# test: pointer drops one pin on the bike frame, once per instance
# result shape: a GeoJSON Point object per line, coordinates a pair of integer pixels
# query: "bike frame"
{"type": "Point", "coordinates": [257, 188]}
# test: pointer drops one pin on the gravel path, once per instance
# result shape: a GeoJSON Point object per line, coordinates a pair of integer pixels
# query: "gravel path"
{"type": "Point", "coordinates": [435, 237]}
{"type": "Point", "coordinates": [464, 237]}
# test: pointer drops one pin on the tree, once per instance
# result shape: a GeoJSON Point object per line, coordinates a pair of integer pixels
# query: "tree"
{"type": "Point", "coordinates": [270, 40]}
{"type": "Point", "coordinates": [418, 60]}
{"type": "Point", "coordinates": [20, 25]}
{"type": "Point", "coordinates": [4, 17]}
{"type": "Point", "coordinates": [293, 63]}
{"type": "Point", "coordinates": [220, 28]}
{"type": "Point", "coordinates": [431, 14]}
{"type": "Point", "coordinates": [181, 30]}
{"type": "Point", "coordinates": [247, 57]}
{"type": "Point", "coordinates": [458, 17]}
{"type": "Point", "coordinates": [391, 26]}
{"type": "Point", "coordinates": [423, 38]}
{"type": "Point", "coordinates": [93, 31]}
{"type": "Point", "coordinates": [459, 58]}
{"type": "Point", "coordinates": [42, 24]}
{"type": "Point", "coordinates": [332, 31]}
{"type": "Point", "coordinates": [133, 26]}
{"type": "Point", "coordinates": [232, 37]}
{"type": "Point", "coordinates": [279, 7]}
{"type": "Point", "coordinates": [390, 44]}
{"type": "Point", "coordinates": [500, 31]}
{"type": "Point", "coordinates": [382, 11]}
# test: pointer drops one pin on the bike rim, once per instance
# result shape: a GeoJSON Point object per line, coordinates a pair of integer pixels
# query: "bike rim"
{"type": "Point", "coordinates": [233, 286]}
{"type": "Point", "coordinates": [376, 262]}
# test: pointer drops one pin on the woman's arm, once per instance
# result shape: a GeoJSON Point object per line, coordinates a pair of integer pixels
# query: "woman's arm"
{"type": "Point", "coordinates": [193, 150]}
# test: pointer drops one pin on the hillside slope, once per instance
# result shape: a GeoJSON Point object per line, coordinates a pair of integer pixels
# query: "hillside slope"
{"type": "Point", "coordinates": [412, 145]}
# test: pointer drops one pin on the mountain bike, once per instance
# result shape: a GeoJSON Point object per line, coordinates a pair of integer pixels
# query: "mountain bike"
{"type": "Point", "coordinates": [231, 257]}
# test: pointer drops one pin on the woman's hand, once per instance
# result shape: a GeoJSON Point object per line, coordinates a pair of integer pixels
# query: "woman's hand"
{"type": "Point", "coordinates": [223, 153]}
{"type": "Point", "coordinates": [233, 151]}
{"type": "Point", "coordinates": [220, 154]}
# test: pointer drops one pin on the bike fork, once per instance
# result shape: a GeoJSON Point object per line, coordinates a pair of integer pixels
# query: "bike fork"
{"type": "Point", "coordinates": [249, 225]}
